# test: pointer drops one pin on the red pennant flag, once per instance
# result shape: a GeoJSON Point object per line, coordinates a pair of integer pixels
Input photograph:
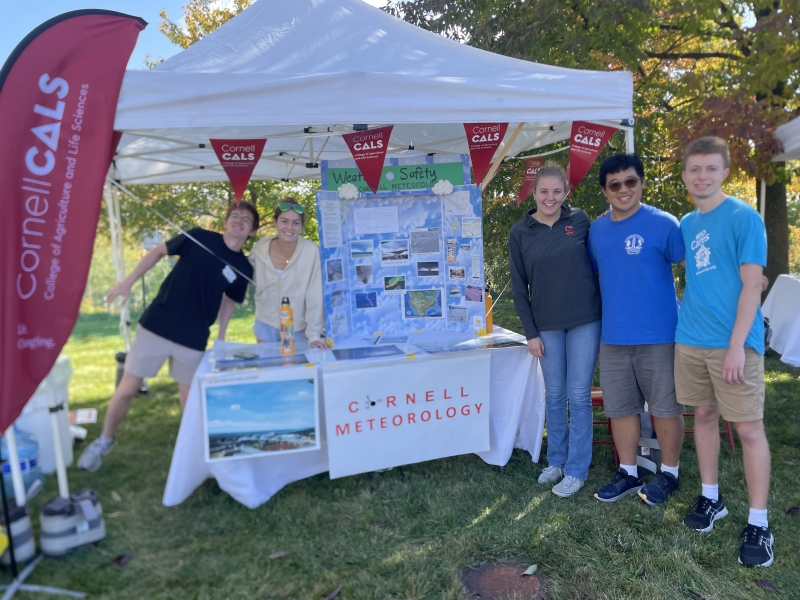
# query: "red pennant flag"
{"type": "Point", "coordinates": [369, 151]}
{"type": "Point", "coordinates": [532, 166]}
{"type": "Point", "coordinates": [483, 140]}
{"type": "Point", "coordinates": [586, 141]}
{"type": "Point", "coordinates": [238, 158]}
{"type": "Point", "coordinates": [58, 95]}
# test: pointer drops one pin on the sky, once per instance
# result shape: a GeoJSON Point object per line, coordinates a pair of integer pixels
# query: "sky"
{"type": "Point", "coordinates": [19, 18]}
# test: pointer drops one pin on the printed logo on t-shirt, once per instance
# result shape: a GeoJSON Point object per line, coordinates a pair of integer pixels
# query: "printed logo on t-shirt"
{"type": "Point", "coordinates": [634, 243]}
{"type": "Point", "coordinates": [702, 253]}
{"type": "Point", "coordinates": [228, 273]}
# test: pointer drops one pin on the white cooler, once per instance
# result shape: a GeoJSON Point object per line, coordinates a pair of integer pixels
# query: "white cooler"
{"type": "Point", "coordinates": [35, 417]}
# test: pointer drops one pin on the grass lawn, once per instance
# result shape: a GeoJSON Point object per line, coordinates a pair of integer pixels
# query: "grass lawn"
{"type": "Point", "coordinates": [442, 516]}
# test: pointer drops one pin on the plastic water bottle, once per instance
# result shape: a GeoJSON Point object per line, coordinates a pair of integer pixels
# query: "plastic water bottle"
{"type": "Point", "coordinates": [28, 450]}
{"type": "Point", "coordinates": [287, 328]}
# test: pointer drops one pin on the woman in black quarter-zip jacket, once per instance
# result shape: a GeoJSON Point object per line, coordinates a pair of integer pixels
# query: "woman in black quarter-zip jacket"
{"type": "Point", "coordinates": [557, 298]}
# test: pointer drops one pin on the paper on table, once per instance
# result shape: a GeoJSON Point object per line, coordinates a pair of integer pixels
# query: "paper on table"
{"type": "Point", "coordinates": [382, 219]}
{"type": "Point", "coordinates": [457, 203]}
{"type": "Point", "coordinates": [331, 211]}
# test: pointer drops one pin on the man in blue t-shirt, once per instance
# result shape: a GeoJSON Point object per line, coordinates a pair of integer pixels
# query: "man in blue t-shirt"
{"type": "Point", "coordinates": [633, 249]}
{"type": "Point", "coordinates": [719, 355]}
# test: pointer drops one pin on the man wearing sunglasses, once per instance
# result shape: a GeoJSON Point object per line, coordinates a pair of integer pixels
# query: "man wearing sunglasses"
{"type": "Point", "coordinates": [209, 278]}
{"type": "Point", "coordinates": [633, 248]}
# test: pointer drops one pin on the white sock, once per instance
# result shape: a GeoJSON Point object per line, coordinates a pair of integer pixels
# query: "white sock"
{"type": "Point", "coordinates": [105, 440]}
{"type": "Point", "coordinates": [711, 492]}
{"type": "Point", "coordinates": [758, 517]}
{"type": "Point", "coordinates": [671, 470]}
{"type": "Point", "coordinates": [631, 470]}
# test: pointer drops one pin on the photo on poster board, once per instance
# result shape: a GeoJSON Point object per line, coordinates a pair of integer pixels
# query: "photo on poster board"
{"type": "Point", "coordinates": [261, 413]}
{"type": "Point", "coordinates": [425, 241]}
{"type": "Point", "coordinates": [459, 273]}
{"type": "Point", "coordinates": [337, 299]}
{"type": "Point", "coordinates": [363, 274]}
{"type": "Point", "coordinates": [422, 304]}
{"type": "Point", "coordinates": [361, 249]}
{"type": "Point", "coordinates": [470, 227]}
{"type": "Point", "coordinates": [394, 253]}
{"type": "Point", "coordinates": [365, 300]}
{"type": "Point", "coordinates": [394, 284]}
{"type": "Point", "coordinates": [473, 294]}
{"type": "Point", "coordinates": [334, 270]}
{"type": "Point", "coordinates": [338, 324]}
{"type": "Point", "coordinates": [455, 291]}
{"type": "Point", "coordinates": [452, 251]}
{"type": "Point", "coordinates": [427, 269]}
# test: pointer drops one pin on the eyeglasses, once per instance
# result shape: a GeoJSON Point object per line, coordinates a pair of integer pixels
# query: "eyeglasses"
{"type": "Point", "coordinates": [284, 206]}
{"type": "Point", "coordinates": [630, 183]}
{"type": "Point", "coordinates": [238, 217]}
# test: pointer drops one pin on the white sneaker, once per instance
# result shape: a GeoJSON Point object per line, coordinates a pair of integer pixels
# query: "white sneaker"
{"type": "Point", "coordinates": [568, 486]}
{"type": "Point", "coordinates": [93, 455]}
{"type": "Point", "coordinates": [551, 475]}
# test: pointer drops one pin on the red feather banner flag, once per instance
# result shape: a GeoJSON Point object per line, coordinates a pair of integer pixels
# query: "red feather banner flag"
{"type": "Point", "coordinates": [58, 97]}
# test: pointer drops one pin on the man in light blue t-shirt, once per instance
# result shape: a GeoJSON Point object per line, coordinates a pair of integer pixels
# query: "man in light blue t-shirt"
{"type": "Point", "coordinates": [633, 249]}
{"type": "Point", "coordinates": [719, 354]}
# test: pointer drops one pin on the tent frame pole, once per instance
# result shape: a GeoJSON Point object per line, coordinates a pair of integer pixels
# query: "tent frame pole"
{"type": "Point", "coordinates": [118, 255]}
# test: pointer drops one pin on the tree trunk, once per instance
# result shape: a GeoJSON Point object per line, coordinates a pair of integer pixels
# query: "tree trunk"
{"type": "Point", "coordinates": [776, 221]}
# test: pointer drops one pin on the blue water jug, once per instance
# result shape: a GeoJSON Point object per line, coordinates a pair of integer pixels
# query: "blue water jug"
{"type": "Point", "coordinates": [28, 450]}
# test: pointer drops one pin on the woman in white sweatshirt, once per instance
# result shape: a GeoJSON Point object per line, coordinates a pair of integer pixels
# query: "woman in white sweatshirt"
{"type": "Point", "coordinates": [287, 265]}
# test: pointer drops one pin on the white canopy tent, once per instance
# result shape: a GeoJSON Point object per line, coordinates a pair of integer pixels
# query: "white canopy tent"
{"type": "Point", "coordinates": [302, 72]}
{"type": "Point", "coordinates": [789, 135]}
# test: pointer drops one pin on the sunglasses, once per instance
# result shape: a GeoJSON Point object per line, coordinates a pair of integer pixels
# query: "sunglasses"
{"type": "Point", "coordinates": [284, 206]}
{"type": "Point", "coordinates": [629, 183]}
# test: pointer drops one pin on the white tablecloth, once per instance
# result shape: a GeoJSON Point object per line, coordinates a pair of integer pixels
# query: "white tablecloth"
{"type": "Point", "coordinates": [516, 421]}
{"type": "Point", "coordinates": [782, 308]}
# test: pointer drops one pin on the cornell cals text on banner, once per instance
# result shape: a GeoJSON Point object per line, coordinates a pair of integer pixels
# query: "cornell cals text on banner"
{"type": "Point", "coordinates": [585, 143]}
{"type": "Point", "coordinates": [369, 151]}
{"type": "Point", "coordinates": [58, 96]}
{"type": "Point", "coordinates": [532, 166]}
{"type": "Point", "coordinates": [483, 140]}
{"type": "Point", "coordinates": [238, 158]}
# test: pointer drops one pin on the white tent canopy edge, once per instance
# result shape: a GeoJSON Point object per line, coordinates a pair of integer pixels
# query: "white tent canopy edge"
{"type": "Point", "coordinates": [303, 72]}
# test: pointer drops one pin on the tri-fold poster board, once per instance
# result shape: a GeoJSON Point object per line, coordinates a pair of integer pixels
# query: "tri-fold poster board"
{"type": "Point", "coordinates": [406, 258]}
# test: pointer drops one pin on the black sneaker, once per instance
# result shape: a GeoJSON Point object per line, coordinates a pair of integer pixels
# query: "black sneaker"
{"type": "Point", "coordinates": [756, 550]}
{"type": "Point", "coordinates": [658, 490]}
{"type": "Point", "coordinates": [704, 513]}
{"type": "Point", "coordinates": [622, 485]}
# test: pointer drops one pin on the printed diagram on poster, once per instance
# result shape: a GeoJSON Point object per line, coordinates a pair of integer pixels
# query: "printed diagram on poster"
{"type": "Point", "coordinates": [260, 413]}
{"type": "Point", "coordinates": [404, 257]}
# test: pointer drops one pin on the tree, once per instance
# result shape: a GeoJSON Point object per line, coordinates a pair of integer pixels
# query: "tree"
{"type": "Point", "coordinates": [714, 67]}
{"type": "Point", "coordinates": [201, 18]}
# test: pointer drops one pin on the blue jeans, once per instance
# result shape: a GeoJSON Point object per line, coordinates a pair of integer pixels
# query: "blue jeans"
{"type": "Point", "coordinates": [268, 333]}
{"type": "Point", "coordinates": [568, 367]}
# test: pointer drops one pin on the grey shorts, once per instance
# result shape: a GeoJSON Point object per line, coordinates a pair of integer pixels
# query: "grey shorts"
{"type": "Point", "coordinates": [149, 351]}
{"type": "Point", "coordinates": [631, 375]}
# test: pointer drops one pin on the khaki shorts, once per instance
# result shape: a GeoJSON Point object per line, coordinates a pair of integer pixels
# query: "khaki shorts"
{"type": "Point", "coordinates": [149, 351]}
{"type": "Point", "coordinates": [698, 382]}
